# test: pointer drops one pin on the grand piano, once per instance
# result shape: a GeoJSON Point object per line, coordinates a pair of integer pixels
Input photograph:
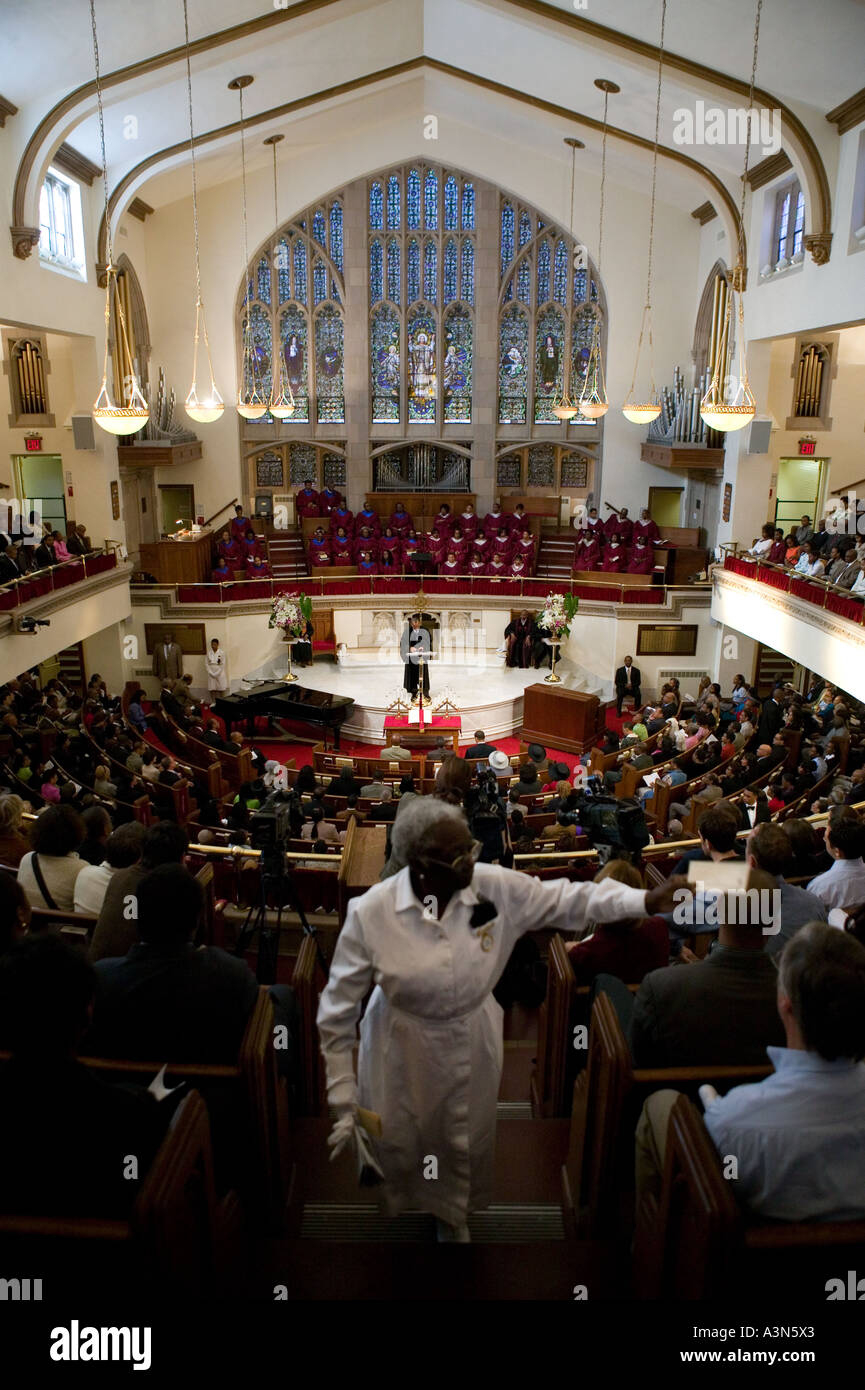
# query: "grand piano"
{"type": "Point", "coordinates": [281, 701]}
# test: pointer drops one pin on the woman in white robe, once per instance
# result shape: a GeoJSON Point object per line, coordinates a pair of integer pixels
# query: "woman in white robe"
{"type": "Point", "coordinates": [217, 675]}
{"type": "Point", "coordinates": [434, 940]}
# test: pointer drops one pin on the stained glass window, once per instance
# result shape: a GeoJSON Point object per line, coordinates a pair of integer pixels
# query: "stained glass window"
{"type": "Point", "coordinates": [282, 261]}
{"type": "Point", "coordinates": [393, 270]}
{"type": "Point", "coordinates": [258, 372]}
{"type": "Point", "coordinates": [376, 272]}
{"type": "Point", "coordinates": [422, 376]}
{"type": "Point", "coordinates": [543, 272]}
{"type": "Point", "coordinates": [467, 278]}
{"type": "Point", "coordinates": [579, 286]}
{"type": "Point", "coordinates": [431, 200]}
{"type": "Point", "coordinates": [580, 349]}
{"type": "Point", "coordinates": [393, 199]}
{"type": "Point", "coordinates": [412, 199]}
{"type": "Point", "coordinates": [333, 470]}
{"type": "Point", "coordinates": [250, 290]}
{"type": "Point", "coordinates": [575, 471]}
{"type": "Point", "coordinates": [560, 273]}
{"type": "Point", "coordinates": [269, 470]}
{"type": "Point", "coordinates": [450, 271]}
{"type": "Point", "coordinates": [385, 365]}
{"type": "Point", "coordinates": [782, 227]}
{"type": "Point", "coordinates": [376, 207]}
{"type": "Point", "coordinates": [524, 281]}
{"type": "Point", "coordinates": [525, 228]}
{"type": "Point", "coordinates": [451, 198]}
{"type": "Point", "coordinates": [301, 464]}
{"type": "Point", "coordinates": [293, 337]}
{"type": "Point", "coordinates": [263, 279]}
{"type": "Point", "coordinates": [508, 471]}
{"type": "Point", "coordinates": [430, 263]}
{"type": "Point", "coordinates": [507, 236]}
{"type": "Point", "coordinates": [319, 281]}
{"type": "Point", "coordinates": [513, 367]}
{"type": "Point", "coordinates": [457, 366]}
{"type": "Point", "coordinates": [318, 229]}
{"type": "Point", "coordinates": [300, 270]}
{"type": "Point", "coordinates": [509, 292]}
{"type": "Point", "coordinates": [334, 292]}
{"type": "Point", "coordinates": [799, 225]}
{"type": "Point", "coordinates": [468, 207]}
{"type": "Point", "coordinates": [541, 466]}
{"type": "Point", "coordinates": [412, 271]}
{"type": "Point", "coordinates": [549, 364]}
{"type": "Point", "coordinates": [330, 393]}
{"type": "Point", "coordinates": [336, 235]}
{"type": "Point", "coordinates": [594, 293]}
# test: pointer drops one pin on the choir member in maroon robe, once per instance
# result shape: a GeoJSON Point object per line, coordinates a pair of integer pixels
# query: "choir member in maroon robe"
{"type": "Point", "coordinates": [409, 546]}
{"type": "Point", "coordinates": [341, 516]}
{"type": "Point", "coordinates": [642, 559]}
{"type": "Point", "coordinates": [306, 501]}
{"type": "Point", "coordinates": [369, 517]}
{"type": "Point", "coordinates": [615, 557]}
{"type": "Point", "coordinates": [588, 556]}
{"type": "Point", "coordinates": [221, 574]}
{"type": "Point", "coordinates": [518, 569]}
{"type": "Point", "coordinates": [483, 547]}
{"type": "Point", "coordinates": [318, 541]}
{"type": "Point", "coordinates": [251, 546]}
{"type": "Point", "coordinates": [460, 547]}
{"type": "Point", "coordinates": [230, 550]}
{"type": "Point", "coordinates": [365, 539]}
{"type": "Point", "coordinates": [320, 558]}
{"type": "Point", "coordinates": [497, 569]}
{"type": "Point", "coordinates": [493, 520]}
{"type": "Point", "coordinates": [646, 527]}
{"type": "Point", "coordinates": [400, 521]}
{"type": "Point", "coordinates": [342, 548]}
{"type": "Point", "coordinates": [595, 525]}
{"type": "Point", "coordinates": [469, 521]}
{"type": "Point", "coordinates": [257, 568]}
{"type": "Point", "coordinates": [328, 498]}
{"type": "Point", "coordinates": [444, 519]}
{"type": "Point", "coordinates": [502, 544]}
{"type": "Point", "coordinates": [392, 544]}
{"type": "Point", "coordinates": [451, 567]}
{"type": "Point", "coordinates": [435, 544]}
{"type": "Point", "coordinates": [239, 525]}
{"type": "Point", "coordinates": [518, 521]}
{"type": "Point", "coordinates": [366, 564]}
{"type": "Point", "coordinates": [477, 567]}
{"type": "Point", "coordinates": [524, 546]}
{"type": "Point", "coordinates": [619, 524]}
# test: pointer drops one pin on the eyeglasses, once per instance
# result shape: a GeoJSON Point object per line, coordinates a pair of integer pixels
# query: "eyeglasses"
{"type": "Point", "coordinates": [462, 861]}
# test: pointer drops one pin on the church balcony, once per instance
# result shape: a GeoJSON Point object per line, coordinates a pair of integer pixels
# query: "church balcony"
{"type": "Point", "coordinates": [813, 624]}
{"type": "Point", "coordinates": [66, 604]}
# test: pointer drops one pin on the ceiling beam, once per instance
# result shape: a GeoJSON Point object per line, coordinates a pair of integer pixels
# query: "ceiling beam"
{"type": "Point", "coordinates": [849, 114]}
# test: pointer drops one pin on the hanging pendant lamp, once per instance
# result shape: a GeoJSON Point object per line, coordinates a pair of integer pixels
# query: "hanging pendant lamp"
{"type": "Point", "coordinates": [593, 402]}
{"type": "Point", "coordinates": [134, 412]}
{"type": "Point", "coordinates": [206, 405]}
{"type": "Point", "coordinates": [281, 403]}
{"type": "Point", "coordinates": [726, 407]}
{"type": "Point", "coordinates": [642, 411]}
{"type": "Point", "coordinates": [565, 408]}
{"type": "Point", "coordinates": [251, 404]}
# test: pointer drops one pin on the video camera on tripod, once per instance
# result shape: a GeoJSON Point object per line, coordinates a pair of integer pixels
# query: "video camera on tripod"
{"type": "Point", "coordinates": [615, 827]}
{"type": "Point", "coordinates": [277, 822]}
{"type": "Point", "coordinates": [271, 827]}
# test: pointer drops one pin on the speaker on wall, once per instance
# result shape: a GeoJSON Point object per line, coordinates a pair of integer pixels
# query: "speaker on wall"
{"type": "Point", "coordinates": [761, 431]}
{"type": "Point", "coordinates": [83, 432]}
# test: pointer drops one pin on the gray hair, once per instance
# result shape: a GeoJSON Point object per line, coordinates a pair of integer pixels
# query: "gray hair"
{"type": "Point", "coordinates": [415, 822]}
{"type": "Point", "coordinates": [386, 793]}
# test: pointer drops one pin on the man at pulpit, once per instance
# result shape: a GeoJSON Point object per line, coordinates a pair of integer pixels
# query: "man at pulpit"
{"type": "Point", "coordinates": [414, 647]}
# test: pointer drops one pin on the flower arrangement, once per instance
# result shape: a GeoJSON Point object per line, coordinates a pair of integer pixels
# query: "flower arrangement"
{"type": "Point", "coordinates": [291, 613]}
{"type": "Point", "coordinates": [557, 615]}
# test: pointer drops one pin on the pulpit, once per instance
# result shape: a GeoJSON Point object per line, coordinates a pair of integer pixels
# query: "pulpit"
{"type": "Point", "coordinates": [570, 720]}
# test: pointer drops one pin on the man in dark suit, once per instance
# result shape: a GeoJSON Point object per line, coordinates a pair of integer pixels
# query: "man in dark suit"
{"type": "Point", "coordinates": [771, 717]}
{"type": "Point", "coordinates": [386, 808]}
{"type": "Point", "coordinates": [480, 748]}
{"type": "Point", "coordinates": [627, 683]}
{"type": "Point", "coordinates": [718, 1010]}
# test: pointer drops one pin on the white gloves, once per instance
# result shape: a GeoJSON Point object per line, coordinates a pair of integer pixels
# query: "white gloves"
{"type": "Point", "coordinates": [342, 1134]}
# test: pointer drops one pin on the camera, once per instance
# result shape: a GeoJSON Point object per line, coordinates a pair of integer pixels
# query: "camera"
{"type": "Point", "coordinates": [273, 825]}
{"type": "Point", "coordinates": [31, 624]}
{"type": "Point", "coordinates": [612, 825]}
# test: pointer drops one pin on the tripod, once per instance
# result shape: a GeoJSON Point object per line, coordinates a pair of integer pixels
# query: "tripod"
{"type": "Point", "coordinates": [275, 879]}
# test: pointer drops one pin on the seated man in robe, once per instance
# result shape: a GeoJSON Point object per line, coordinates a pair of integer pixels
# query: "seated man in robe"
{"type": "Point", "coordinates": [615, 557]}
{"type": "Point", "coordinates": [221, 574]}
{"type": "Point", "coordinates": [518, 521]}
{"type": "Point", "coordinates": [328, 498]}
{"type": "Point", "coordinates": [642, 559]}
{"type": "Point", "coordinates": [369, 517]}
{"type": "Point", "coordinates": [646, 528]}
{"type": "Point", "coordinates": [341, 516]}
{"type": "Point", "coordinates": [493, 520]}
{"type": "Point", "coordinates": [588, 556]}
{"type": "Point", "coordinates": [306, 501]}
{"type": "Point", "coordinates": [519, 640]}
{"type": "Point", "coordinates": [469, 521]}
{"type": "Point", "coordinates": [400, 520]}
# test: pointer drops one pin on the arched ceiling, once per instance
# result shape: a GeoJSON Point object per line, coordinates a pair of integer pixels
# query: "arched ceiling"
{"type": "Point", "coordinates": [526, 65]}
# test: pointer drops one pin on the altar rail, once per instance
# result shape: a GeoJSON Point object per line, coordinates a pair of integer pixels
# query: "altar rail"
{"type": "Point", "coordinates": [820, 594]}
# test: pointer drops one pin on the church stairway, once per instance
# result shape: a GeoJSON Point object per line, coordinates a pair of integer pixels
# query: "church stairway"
{"type": "Point", "coordinates": [556, 555]}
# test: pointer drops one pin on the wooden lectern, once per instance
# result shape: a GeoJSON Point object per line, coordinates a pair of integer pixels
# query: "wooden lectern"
{"type": "Point", "coordinates": [567, 719]}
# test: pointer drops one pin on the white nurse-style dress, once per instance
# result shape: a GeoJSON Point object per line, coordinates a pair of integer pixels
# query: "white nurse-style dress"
{"type": "Point", "coordinates": [431, 1043]}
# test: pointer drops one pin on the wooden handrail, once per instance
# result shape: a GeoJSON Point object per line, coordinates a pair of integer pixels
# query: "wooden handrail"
{"type": "Point", "coordinates": [232, 503]}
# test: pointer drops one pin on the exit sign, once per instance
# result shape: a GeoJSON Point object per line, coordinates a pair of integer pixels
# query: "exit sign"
{"type": "Point", "coordinates": [33, 443]}
{"type": "Point", "coordinates": [807, 445]}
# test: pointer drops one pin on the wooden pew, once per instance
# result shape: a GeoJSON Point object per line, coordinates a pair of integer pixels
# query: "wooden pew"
{"type": "Point", "coordinates": [308, 981]}
{"type": "Point", "coordinates": [607, 1097]}
{"type": "Point", "coordinates": [697, 1242]}
{"type": "Point", "coordinates": [253, 1112]}
{"type": "Point", "coordinates": [170, 1247]}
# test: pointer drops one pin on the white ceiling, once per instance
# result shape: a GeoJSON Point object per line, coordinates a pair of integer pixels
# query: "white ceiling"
{"type": "Point", "coordinates": [811, 57]}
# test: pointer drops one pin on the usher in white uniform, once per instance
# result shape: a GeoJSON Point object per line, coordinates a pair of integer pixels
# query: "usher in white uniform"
{"type": "Point", "coordinates": [217, 676]}
{"type": "Point", "coordinates": [431, 1039]}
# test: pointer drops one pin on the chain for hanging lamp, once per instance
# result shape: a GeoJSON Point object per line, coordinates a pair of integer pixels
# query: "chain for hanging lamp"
{"type": "Point", "coordinates": [206, 406]}
{"type": "Point", "coordinates": [637, 411]}
{"type": "Point", "coordinates": [281, 403]}
{"type": "Point", "coordinates": [717, 410]}
{"type": "Point", "coordinates": [134, 412]}
{"type": "Point", "coordinates": [593, 402]}
{"type": "Point", "coordinates": [565, 407]}
{"type": "Point", "coordinates": [251, 404]}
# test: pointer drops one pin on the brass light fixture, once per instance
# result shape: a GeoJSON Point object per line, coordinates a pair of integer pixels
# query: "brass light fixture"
{"type": "Point", "coordinates": [725, 406]}
{"type": "Point", "coordinates": [593, 401]}
{"type": "Point", "coordinates": [281, 403]}
{"type": "Point", "coordinates": [207, 406]}
{"type": "Point", "coordinates": [566, 408]}
{"type": "Point", "coordinates": [251, 404]}
{"type": "Point", "coordinates": [134, 412]}
{"type": "Point", "coordinates": [643, 412]}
